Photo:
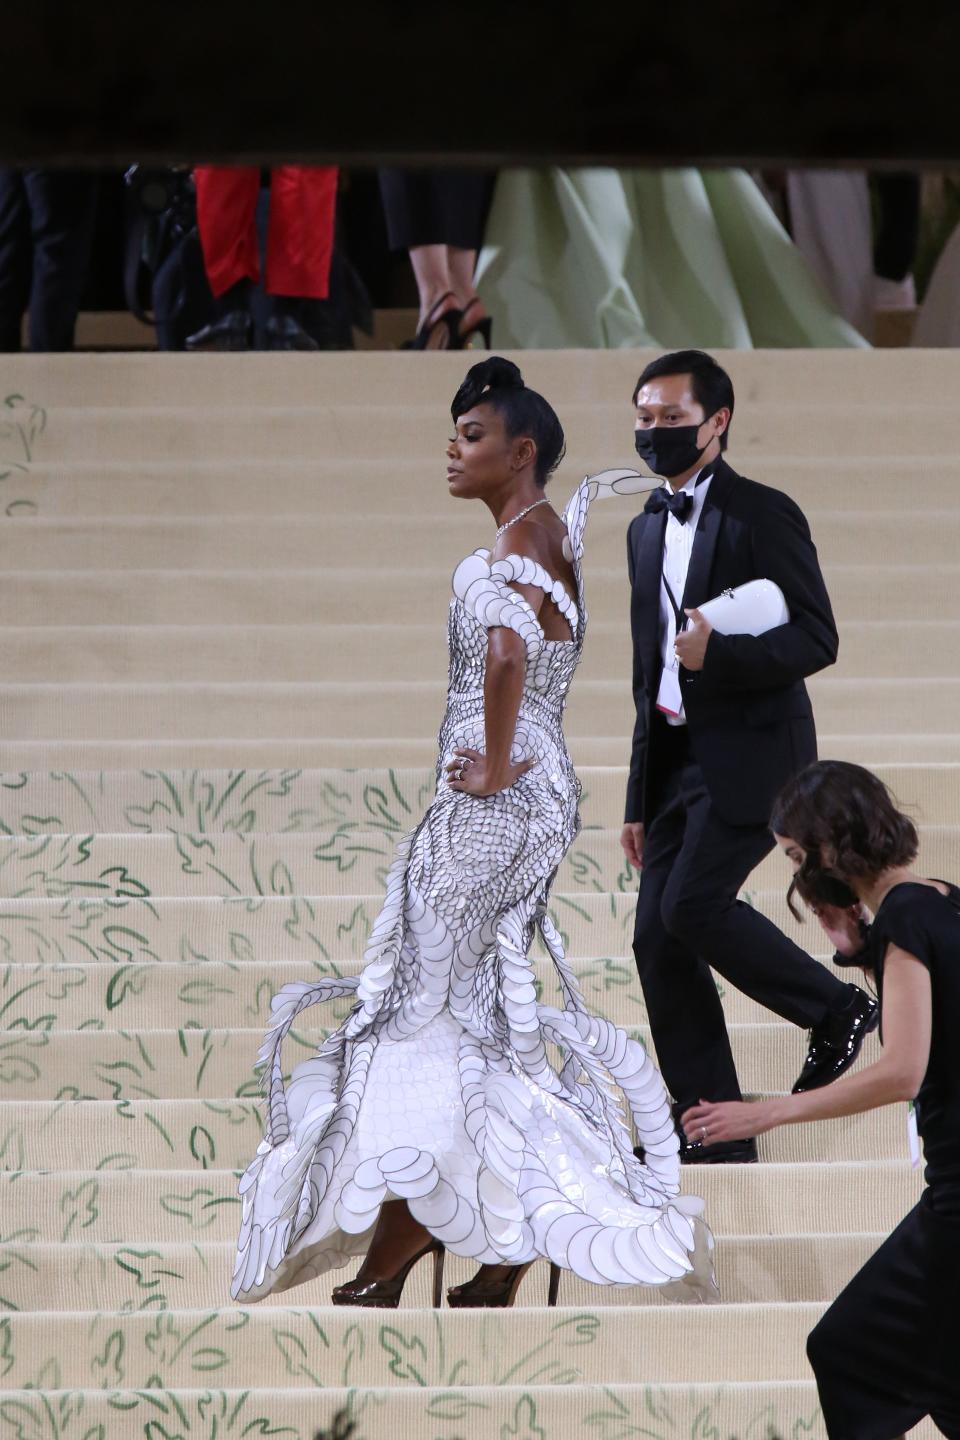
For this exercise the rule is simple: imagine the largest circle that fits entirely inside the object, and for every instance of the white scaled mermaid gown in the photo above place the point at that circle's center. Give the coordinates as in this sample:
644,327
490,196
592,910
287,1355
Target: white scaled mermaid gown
438,1089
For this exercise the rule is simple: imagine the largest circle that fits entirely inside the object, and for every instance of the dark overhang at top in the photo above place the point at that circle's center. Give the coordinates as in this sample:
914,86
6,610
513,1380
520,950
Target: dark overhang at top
760,82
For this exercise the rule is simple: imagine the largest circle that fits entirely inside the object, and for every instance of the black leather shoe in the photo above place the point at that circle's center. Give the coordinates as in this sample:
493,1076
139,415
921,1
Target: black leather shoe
232,332
282,332
835,1044
727,1152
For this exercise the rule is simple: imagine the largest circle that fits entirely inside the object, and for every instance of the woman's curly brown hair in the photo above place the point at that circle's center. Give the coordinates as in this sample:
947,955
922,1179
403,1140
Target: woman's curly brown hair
846,821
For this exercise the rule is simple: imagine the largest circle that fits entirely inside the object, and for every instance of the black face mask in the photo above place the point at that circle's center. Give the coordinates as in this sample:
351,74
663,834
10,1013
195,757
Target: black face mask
669,449
822,888
818,887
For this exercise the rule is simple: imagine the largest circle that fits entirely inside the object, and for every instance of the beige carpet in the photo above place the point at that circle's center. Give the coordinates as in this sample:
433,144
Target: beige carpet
224,592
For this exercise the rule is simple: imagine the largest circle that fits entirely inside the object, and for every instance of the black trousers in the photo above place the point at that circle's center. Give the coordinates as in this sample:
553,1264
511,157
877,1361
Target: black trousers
46,230
689,920
898,199
885,1354
435,207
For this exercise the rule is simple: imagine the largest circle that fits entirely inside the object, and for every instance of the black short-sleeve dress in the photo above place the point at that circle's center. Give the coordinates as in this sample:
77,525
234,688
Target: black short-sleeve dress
886,1352
925,923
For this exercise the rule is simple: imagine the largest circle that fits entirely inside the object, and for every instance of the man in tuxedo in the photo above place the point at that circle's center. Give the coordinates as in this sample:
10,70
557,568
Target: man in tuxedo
722,722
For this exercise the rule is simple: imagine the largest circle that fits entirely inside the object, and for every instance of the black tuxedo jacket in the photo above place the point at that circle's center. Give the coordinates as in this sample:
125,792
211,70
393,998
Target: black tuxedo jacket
748,711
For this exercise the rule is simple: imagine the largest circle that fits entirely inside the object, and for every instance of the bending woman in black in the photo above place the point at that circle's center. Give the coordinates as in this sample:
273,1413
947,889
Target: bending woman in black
886,1353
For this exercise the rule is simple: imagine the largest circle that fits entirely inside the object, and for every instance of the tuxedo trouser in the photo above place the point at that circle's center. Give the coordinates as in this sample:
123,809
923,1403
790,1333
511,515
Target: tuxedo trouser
885,1353
47,222
689,920
299,234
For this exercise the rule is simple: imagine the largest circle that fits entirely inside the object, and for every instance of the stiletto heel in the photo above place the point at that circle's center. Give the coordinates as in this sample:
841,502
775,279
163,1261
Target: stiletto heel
553,1289
446,327
438,1258
483,327
385,1294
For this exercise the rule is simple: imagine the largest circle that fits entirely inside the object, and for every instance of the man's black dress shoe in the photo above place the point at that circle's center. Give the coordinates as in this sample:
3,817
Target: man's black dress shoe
725,1152
835,1044
728,1152
231,332
283,332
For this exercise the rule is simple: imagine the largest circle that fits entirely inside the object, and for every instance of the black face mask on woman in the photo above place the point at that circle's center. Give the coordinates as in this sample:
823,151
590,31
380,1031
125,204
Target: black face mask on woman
670,449
816,887
821,887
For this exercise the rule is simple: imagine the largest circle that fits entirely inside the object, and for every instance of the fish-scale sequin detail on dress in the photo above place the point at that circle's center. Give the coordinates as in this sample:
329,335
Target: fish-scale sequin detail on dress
438,1088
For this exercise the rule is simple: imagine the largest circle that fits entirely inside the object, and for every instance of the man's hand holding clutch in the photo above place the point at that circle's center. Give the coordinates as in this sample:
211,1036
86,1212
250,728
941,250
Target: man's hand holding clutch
691,644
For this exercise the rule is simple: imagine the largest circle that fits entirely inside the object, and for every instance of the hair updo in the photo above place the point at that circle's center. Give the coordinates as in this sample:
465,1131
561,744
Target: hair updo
498,383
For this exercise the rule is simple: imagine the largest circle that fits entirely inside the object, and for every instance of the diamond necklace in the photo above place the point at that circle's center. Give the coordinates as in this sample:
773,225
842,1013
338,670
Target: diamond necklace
507,523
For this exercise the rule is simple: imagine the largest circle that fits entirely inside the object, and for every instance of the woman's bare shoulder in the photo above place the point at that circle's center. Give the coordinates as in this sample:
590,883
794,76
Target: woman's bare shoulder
538,541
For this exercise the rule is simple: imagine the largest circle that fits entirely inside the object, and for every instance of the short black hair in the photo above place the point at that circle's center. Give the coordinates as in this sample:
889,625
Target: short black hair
498,383
711,385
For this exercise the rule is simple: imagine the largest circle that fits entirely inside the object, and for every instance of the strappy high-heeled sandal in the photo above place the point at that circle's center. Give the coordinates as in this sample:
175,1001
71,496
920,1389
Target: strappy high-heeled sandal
483,327
487,1292
445,327
385,1294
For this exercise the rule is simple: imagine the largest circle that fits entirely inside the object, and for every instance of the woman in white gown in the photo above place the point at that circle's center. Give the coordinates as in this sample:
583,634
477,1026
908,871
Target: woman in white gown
433,1116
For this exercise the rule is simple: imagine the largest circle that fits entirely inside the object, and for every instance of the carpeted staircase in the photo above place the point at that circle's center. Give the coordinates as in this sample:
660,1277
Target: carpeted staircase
224,591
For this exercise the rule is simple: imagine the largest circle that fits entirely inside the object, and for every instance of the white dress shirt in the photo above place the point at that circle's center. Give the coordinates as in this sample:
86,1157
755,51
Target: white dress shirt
677,549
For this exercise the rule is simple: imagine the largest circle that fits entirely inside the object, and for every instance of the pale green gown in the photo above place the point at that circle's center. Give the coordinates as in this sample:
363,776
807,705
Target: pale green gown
601,258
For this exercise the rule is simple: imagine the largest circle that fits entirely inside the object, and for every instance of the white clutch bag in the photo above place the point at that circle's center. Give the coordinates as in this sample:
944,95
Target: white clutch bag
750,609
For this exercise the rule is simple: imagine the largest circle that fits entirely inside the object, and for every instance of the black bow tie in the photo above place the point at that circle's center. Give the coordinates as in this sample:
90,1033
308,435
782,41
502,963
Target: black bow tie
679,504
